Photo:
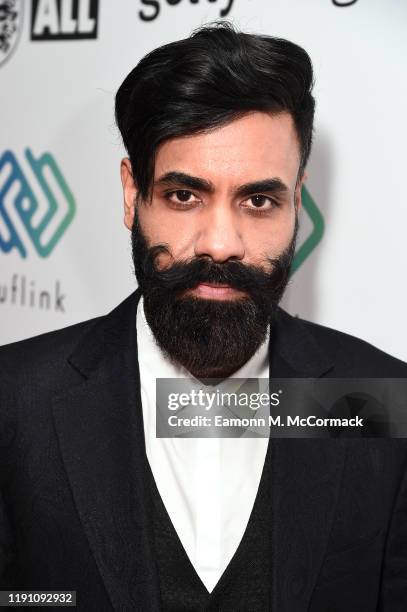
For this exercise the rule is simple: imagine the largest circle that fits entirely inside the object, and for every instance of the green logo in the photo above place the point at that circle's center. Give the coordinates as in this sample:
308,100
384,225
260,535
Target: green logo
305,249
44,218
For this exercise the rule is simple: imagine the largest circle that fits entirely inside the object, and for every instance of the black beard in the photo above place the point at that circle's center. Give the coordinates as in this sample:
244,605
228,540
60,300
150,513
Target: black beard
210,338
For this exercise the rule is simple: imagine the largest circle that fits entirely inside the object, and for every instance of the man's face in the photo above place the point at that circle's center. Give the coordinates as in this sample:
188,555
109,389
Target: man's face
227,202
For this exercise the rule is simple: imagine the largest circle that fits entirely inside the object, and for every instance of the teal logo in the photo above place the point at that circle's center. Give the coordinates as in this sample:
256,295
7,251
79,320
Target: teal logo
40,199
305,249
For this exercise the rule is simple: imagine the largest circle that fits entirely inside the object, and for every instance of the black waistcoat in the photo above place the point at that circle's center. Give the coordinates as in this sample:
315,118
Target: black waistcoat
245,583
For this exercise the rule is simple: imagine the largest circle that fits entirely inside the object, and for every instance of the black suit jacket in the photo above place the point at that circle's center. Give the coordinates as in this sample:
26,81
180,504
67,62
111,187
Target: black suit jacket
73,515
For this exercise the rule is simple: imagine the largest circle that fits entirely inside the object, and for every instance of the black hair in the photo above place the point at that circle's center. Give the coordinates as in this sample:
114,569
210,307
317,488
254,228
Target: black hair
202,82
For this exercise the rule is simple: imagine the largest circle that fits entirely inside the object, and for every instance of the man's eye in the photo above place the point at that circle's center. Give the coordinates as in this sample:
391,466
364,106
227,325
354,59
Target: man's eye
261,202
180,196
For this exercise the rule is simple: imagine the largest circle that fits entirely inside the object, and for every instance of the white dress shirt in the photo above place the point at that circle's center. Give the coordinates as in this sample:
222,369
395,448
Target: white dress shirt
208,485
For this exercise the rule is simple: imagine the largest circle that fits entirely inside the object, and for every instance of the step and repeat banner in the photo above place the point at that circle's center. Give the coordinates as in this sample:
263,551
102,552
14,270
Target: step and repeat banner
65,253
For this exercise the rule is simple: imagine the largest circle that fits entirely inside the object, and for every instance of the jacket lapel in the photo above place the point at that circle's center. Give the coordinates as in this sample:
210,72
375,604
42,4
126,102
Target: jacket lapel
305,477
99,425
100,431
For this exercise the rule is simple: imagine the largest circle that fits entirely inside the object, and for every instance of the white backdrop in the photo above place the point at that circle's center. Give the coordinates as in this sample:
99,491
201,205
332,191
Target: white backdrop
57,97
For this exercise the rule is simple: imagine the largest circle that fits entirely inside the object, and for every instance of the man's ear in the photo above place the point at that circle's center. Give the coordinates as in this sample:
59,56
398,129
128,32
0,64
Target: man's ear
130,192
297,196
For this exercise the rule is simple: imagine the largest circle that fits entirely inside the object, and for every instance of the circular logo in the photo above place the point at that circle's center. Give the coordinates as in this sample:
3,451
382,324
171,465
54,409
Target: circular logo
11,18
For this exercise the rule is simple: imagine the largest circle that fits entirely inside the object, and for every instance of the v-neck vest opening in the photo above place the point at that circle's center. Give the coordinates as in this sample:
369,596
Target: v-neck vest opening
246,579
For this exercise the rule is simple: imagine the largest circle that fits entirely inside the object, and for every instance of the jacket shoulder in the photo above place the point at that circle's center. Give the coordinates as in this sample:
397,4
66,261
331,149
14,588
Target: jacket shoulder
41,353
354,355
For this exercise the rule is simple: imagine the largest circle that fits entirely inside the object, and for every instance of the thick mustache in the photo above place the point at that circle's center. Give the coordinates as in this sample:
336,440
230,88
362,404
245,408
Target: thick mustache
188,274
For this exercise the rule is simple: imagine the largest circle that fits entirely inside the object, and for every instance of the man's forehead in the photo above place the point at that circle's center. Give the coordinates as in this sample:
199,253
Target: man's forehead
246,149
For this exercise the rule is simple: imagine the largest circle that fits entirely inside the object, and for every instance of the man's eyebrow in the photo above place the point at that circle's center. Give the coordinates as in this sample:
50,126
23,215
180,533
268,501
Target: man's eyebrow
270,185
186,180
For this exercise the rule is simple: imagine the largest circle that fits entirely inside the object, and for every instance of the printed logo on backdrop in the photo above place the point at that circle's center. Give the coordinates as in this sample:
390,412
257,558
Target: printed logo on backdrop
37,200
36,208
314,218
11,20
151,8
64,20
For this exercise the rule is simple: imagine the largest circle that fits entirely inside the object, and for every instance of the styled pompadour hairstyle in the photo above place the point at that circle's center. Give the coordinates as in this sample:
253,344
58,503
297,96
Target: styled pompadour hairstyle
205,81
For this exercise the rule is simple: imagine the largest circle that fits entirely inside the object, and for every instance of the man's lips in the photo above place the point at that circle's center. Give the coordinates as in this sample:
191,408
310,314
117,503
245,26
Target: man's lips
215,291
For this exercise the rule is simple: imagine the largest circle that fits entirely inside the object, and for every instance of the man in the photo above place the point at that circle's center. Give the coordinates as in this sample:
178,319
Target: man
218,130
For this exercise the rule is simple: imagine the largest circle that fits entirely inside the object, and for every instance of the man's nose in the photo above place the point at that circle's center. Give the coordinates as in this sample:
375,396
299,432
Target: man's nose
219,236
